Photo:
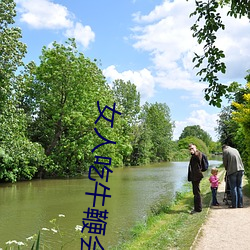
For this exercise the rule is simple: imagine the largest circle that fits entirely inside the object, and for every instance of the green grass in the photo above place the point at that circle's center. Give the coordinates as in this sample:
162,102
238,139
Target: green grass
170,226
246,188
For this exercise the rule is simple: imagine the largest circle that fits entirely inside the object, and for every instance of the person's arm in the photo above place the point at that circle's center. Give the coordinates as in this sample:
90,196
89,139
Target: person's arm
210,179
213,179
224,159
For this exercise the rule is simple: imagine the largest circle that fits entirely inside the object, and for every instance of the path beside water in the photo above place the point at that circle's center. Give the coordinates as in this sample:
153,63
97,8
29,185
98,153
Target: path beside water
225,228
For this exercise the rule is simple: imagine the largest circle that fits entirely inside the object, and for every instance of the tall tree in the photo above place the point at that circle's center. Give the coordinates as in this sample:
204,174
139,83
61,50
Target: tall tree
128,101
227,127
241,115
207,24
12,51
196,131
128,97
157,121
229,130
184,142
19,157
63,93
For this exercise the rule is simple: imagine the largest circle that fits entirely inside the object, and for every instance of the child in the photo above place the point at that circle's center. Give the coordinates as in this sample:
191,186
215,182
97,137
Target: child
214,185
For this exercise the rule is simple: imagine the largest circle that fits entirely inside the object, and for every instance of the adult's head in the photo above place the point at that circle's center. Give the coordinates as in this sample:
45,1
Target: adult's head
192,148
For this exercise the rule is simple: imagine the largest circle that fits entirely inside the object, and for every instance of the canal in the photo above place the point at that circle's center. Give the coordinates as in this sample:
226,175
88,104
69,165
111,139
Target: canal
28,207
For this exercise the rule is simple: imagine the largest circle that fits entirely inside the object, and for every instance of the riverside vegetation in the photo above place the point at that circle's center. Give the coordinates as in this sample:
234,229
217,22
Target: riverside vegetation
47,237
170,226
47,115
48,112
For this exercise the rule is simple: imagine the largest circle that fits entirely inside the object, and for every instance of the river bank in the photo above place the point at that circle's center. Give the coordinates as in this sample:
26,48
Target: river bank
136,192
171,227
133,190
226,228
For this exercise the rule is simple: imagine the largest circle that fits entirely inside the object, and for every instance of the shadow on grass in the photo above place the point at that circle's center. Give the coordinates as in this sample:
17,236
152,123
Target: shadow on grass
183,203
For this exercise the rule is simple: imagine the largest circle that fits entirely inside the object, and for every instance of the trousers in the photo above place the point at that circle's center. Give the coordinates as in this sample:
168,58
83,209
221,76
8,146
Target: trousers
235,182
197,196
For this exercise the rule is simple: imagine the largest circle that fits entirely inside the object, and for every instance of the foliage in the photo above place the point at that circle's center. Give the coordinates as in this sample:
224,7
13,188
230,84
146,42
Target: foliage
241,115
205,28
227,127
127,99
37,242
201,146
196,131
169,226
157,122
233,125
20,157
141,144
12,50
49,112
62,100
215,148
49,238
181,154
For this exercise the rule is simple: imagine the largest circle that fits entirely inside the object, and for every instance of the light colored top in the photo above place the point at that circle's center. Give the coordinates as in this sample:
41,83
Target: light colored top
232,160
214,181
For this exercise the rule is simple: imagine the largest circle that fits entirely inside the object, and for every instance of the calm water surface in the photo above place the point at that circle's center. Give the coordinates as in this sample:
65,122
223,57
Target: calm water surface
27,207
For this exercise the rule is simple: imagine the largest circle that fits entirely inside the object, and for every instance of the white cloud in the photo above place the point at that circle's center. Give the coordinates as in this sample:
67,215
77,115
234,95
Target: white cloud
168,38
159,12
143,80
234,41
44,14
208,122
165,33
83,34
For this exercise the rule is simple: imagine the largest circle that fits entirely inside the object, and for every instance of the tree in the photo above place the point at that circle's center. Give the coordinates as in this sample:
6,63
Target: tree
157,122
233,123
227,127
196,131
12,50
63,94
128,98
20,158
229,130
141,145
208,23
215,148
242,117
184,142
128,102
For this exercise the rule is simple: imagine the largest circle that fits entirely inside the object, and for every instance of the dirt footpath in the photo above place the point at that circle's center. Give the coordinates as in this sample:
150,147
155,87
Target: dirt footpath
225,228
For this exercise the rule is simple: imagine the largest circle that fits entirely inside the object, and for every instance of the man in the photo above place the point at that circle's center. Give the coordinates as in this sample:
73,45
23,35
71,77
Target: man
235,169
195,175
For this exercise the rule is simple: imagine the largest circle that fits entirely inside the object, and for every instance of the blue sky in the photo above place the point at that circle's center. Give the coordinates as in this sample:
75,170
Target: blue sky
148,42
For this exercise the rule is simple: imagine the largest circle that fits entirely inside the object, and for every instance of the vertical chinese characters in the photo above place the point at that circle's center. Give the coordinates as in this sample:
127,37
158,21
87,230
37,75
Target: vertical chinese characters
95,221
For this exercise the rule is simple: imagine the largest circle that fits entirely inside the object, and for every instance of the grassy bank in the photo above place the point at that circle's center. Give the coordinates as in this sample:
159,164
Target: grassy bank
170,226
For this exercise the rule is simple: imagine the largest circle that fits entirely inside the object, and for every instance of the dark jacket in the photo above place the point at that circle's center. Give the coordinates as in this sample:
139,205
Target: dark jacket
194,168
